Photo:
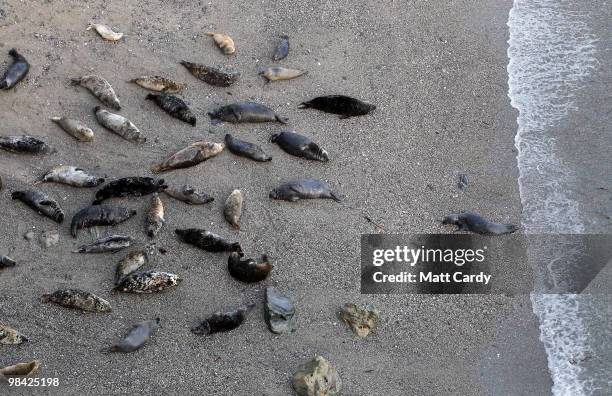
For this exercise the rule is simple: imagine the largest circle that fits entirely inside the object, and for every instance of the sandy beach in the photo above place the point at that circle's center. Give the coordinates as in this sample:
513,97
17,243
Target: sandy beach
437,73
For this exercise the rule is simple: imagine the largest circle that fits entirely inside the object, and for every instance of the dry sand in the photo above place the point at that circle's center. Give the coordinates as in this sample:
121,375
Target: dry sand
436,71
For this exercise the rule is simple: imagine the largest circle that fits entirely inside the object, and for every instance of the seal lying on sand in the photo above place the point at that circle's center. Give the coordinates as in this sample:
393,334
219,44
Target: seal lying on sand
345,106
74,128
112,243
207,240
6,262
159,84
189,195
237,113
248,270
212,75
100,88
246,149
304,189
478,224
223,41
77,299
41,203
222,321
72,176
25,145
174,106
130,186
282,49
189,156
105,32
16,71
119,125
136,337
232,209
300,146
278,73
147,282
155,216
132,262
99,215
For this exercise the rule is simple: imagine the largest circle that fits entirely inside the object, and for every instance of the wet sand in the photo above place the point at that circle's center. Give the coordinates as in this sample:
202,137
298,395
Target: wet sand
436,72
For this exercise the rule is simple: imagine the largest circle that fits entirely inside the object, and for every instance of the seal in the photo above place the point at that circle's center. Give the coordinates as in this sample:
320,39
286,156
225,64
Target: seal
147,282
20,370
223,41
77,299
113,243
207,240
105,32
246,149
191,155
155,216
222,321
25,145
174,106
300,146
41,203
278,73
6,262
304,189
119,124
74,128
159,84
134,186
237,113
136,337
189,195
10,336
232,209
99,215
282,49
16,71
72,176
248,270
132,262
478,224
100,88
345,106
218,77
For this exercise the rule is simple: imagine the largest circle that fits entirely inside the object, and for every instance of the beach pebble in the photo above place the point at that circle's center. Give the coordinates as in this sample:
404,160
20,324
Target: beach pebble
360,320
279,311
317,378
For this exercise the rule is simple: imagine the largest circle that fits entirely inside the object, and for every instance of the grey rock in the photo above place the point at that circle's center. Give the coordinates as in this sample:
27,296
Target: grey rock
279,311
317,378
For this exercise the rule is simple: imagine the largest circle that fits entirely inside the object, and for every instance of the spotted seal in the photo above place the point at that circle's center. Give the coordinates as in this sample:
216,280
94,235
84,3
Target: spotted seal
219,77
232,208
77,299
191,155
25,145
134,186
74,128
100,88
174,106
147,282
159,84
119,124
72,176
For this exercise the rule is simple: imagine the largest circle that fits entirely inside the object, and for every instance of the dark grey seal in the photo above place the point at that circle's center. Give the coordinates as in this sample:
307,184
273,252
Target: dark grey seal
174,106
16,71
222,321
345,106
304,189
99,215
478,224
237,113
246,149
207,240
41,203
282,50
300,146
24,145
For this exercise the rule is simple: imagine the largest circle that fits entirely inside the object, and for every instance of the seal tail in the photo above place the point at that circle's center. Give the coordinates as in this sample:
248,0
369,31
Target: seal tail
45,298
210,33
157,168
338,197
150,96
13,52
76,81
304,105
274,137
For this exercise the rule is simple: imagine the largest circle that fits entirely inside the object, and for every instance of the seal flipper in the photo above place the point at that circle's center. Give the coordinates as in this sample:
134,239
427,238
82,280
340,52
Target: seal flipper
274,137
304,105
282,120
77,81
338,197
